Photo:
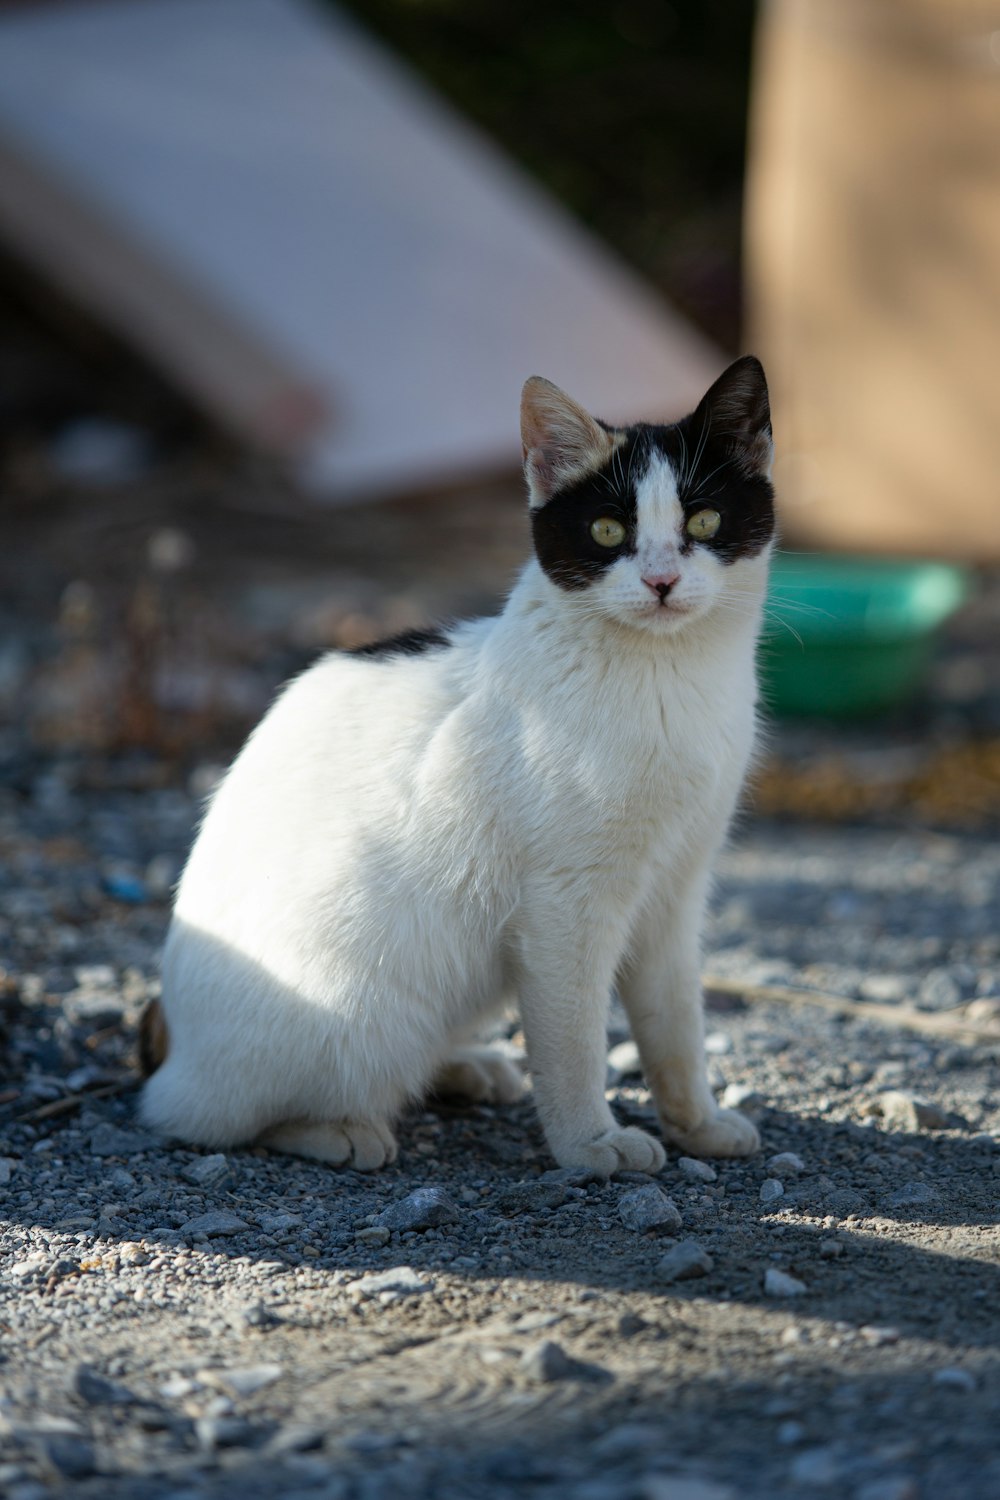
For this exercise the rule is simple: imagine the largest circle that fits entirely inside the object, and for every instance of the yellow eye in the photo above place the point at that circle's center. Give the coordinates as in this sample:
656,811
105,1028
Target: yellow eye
703,524
607,532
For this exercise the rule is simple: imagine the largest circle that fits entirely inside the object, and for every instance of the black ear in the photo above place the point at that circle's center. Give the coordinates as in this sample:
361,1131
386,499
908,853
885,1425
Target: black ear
737,407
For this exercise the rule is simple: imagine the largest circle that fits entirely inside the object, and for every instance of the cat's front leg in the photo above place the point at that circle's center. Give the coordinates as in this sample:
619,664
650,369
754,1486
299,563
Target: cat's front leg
660,987
564,985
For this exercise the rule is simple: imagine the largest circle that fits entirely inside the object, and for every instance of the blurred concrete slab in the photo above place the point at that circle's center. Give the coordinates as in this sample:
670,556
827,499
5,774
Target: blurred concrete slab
316,248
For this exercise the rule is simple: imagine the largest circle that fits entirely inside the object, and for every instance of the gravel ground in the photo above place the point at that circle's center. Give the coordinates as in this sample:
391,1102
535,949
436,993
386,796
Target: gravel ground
177,1323
821,1320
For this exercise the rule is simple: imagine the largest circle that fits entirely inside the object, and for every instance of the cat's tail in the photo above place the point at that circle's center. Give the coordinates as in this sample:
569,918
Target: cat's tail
154,1039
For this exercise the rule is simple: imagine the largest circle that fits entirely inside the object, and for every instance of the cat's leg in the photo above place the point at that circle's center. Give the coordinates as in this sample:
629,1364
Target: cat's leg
565,981
479,1072
365,1145
660,987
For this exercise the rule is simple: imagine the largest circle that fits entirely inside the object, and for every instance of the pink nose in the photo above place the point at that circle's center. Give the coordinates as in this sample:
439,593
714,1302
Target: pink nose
661,584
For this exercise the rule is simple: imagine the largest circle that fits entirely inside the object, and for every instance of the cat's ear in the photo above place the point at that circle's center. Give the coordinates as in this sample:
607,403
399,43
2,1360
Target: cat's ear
561,442
737,407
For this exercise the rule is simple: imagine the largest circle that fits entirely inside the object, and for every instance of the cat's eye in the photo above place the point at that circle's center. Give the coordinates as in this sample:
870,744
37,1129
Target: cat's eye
703,525
607,532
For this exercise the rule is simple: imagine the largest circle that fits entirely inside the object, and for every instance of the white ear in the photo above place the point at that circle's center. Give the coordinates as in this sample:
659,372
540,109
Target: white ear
561,442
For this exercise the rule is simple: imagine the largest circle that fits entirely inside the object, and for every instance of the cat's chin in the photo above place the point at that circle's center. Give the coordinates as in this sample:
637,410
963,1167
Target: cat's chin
660,620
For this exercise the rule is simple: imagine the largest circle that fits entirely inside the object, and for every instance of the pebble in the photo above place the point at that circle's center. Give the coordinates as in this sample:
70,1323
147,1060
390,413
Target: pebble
909,1113
208,1171
741,1096
684,1262
718,1043
624,1061
770,1189
425,1208
785,1164
401,1281
110,1140
224,1432
955,1378
70,1456
372,1235
695,1170
817,1466
682,1487
548,1362
215,1224
95,1390
780,1284
649,1208
912,1195
892,1487
530,1197
248,1379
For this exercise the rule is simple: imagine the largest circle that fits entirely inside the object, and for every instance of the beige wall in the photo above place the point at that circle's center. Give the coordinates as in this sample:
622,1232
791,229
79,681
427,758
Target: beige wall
873,248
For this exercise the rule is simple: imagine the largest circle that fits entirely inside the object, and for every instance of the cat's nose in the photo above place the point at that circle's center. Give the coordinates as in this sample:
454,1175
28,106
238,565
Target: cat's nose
661,584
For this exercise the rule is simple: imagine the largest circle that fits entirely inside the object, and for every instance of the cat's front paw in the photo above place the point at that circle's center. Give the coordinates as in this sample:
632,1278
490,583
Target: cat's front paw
623,1149
726,1133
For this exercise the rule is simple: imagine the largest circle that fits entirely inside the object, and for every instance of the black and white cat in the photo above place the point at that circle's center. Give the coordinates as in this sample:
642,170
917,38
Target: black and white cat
527,806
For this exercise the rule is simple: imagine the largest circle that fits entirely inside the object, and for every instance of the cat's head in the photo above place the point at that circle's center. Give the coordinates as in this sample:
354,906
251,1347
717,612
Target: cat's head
657,526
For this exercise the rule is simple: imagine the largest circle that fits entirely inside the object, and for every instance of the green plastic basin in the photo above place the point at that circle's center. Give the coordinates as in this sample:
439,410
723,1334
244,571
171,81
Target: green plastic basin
848,637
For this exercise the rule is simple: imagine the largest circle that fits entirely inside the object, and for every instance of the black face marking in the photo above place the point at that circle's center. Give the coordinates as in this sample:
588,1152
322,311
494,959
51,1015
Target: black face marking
407,643
716,455
561,528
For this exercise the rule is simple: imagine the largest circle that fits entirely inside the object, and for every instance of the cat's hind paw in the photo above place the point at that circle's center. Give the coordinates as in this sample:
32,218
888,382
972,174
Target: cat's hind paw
726,1133
482,1074
623,1149
365,1145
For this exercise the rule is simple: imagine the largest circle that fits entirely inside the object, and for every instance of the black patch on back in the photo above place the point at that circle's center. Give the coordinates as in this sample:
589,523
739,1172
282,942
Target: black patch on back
713,470
407,643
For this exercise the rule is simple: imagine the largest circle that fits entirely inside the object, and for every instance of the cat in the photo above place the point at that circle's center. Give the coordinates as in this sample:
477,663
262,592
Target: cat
527,805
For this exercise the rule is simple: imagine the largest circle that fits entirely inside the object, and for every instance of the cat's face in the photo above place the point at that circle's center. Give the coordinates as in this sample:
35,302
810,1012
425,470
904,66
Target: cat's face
653,526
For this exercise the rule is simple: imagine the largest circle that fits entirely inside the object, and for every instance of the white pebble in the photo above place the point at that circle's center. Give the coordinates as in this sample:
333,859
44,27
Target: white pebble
780,1284
786,1164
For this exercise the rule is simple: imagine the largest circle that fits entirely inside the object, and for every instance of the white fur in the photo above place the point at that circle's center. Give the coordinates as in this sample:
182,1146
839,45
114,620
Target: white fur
405,843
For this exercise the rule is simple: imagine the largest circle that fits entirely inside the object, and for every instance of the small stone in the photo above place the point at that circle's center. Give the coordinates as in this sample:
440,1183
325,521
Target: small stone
780,1284
649,1208
426,1208
95,1390
785,1164
372,1235
548,1362
7,1165
248,1379
624,1061
912,1195
214,1225
955,1378
530,1197
278,1223
297,1437
741,1096
888,989
402,1281
790,1434
817,1466
878,1335
223,1432
681,1487
907,1112
770,1189
718,1043
72,1457
892,1487
984,1012
108,1140
695,1170
684,1262
208,1171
